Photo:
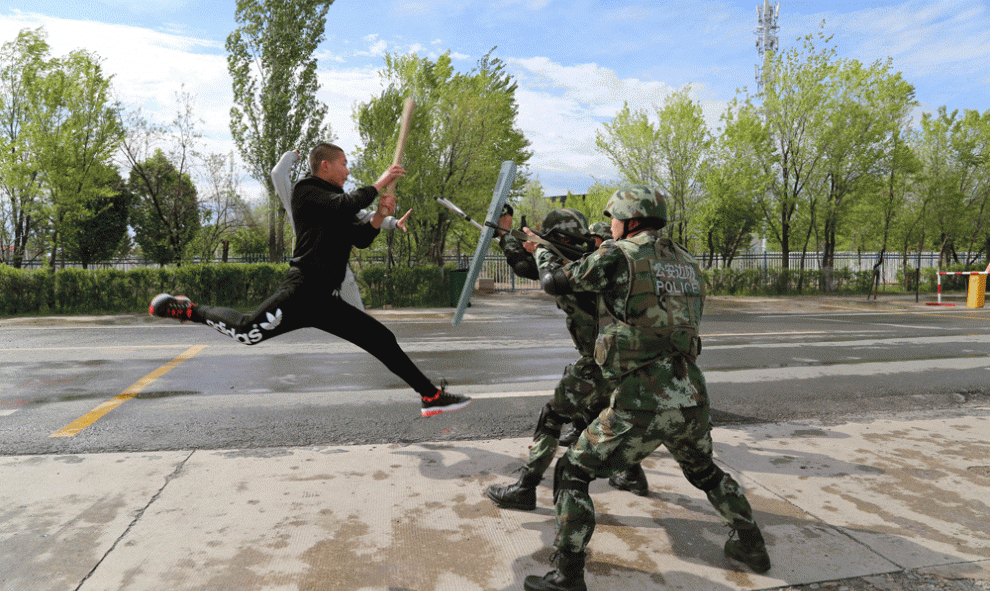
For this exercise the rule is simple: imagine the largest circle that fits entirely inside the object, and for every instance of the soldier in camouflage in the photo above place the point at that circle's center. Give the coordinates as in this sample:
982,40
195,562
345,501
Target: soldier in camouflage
651,294
582,391
600,231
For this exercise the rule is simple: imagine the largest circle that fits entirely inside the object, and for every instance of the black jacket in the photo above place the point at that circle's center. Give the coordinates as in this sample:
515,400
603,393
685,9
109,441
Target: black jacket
325,228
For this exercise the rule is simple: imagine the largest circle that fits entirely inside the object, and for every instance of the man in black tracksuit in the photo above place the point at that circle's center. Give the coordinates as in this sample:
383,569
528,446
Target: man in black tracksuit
310,294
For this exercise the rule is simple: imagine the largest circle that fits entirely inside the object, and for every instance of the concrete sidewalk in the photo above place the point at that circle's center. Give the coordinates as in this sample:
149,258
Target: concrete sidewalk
856,499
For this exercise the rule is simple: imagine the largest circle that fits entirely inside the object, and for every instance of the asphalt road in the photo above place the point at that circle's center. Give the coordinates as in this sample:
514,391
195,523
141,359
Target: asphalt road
129,383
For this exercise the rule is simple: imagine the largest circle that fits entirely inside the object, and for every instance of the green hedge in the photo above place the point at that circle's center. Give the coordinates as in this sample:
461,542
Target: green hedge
244,286
779,282
111,291
422,286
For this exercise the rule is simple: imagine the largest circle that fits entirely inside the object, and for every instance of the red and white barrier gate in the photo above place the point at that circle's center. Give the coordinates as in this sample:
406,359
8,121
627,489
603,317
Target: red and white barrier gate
939,279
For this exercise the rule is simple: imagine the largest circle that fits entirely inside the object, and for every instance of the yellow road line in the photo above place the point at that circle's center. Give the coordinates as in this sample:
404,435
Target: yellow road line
133,390
100,348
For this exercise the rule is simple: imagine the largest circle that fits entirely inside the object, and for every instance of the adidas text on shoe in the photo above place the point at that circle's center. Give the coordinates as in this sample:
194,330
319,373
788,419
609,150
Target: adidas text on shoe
168,306
443,401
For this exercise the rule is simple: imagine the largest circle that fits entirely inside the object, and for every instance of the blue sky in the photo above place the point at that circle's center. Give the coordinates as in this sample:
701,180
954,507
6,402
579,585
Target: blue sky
576,61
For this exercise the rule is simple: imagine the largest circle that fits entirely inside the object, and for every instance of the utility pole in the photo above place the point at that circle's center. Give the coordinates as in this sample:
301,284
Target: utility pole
766,35
766,40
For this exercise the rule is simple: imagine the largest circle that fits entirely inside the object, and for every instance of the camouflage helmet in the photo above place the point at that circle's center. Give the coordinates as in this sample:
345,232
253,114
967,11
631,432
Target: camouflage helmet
566,222
636,201
601,230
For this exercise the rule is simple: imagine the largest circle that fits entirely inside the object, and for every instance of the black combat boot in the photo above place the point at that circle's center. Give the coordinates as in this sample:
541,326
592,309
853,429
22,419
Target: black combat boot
568,576
520,496
749,549
633,480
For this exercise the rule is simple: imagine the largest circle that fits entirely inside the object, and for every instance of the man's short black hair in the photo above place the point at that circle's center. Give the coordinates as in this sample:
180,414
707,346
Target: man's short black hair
322,151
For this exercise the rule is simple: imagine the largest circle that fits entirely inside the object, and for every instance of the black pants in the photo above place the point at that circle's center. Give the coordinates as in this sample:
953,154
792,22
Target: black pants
301,303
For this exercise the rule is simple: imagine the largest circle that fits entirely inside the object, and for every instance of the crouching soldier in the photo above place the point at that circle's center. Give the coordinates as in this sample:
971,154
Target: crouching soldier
650,295
582,391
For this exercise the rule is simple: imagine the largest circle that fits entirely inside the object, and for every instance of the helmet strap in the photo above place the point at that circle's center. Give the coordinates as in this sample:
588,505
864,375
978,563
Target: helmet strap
629,228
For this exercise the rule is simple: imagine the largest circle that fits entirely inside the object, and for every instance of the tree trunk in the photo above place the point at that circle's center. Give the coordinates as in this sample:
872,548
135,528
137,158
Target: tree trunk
51,261
731,254
280,237
711,250
785,244
271,231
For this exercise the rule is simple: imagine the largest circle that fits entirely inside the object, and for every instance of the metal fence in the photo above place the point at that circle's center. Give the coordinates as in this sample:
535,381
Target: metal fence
497,269
854,261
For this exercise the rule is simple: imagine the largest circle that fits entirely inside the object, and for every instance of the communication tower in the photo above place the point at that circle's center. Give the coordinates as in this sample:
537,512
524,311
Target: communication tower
766,34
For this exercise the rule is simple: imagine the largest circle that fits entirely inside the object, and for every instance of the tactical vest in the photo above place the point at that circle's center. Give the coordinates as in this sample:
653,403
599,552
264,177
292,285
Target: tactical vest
658,314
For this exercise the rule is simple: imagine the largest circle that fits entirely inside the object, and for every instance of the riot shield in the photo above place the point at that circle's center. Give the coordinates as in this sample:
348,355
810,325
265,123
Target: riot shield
505,178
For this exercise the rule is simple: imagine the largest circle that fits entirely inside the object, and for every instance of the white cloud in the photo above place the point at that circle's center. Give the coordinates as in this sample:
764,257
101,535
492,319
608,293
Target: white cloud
148,67
526,4
376,46
143,6
562,107
340,90
924,38
404,9
600,88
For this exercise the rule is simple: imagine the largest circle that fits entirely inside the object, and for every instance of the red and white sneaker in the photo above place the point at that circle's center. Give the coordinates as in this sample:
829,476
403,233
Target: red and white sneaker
443,401
168,306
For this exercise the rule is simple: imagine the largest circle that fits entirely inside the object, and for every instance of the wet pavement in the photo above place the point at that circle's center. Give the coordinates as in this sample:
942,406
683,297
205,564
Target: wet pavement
889,501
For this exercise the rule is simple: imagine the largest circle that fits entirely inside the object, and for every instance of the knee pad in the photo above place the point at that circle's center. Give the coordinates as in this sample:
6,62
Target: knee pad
567,476
549,423
707,479
554,281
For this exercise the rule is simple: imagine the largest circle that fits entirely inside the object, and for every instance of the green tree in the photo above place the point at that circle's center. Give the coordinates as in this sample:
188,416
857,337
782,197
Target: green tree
75,131
22,62
463,128
668,154
271,60
941,204
593,203
102,226
166,198
532,205
684,142
887,215
630,140
251,236
166,214
796,86
221,203
869,108
60,129
971,144
730,214
952,191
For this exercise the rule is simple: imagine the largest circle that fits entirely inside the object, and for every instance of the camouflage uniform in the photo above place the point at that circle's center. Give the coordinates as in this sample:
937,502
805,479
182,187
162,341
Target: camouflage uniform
601,230
651,297
582,391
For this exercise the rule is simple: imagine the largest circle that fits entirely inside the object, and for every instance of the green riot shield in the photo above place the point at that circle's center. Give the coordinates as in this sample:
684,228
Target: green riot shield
505,178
